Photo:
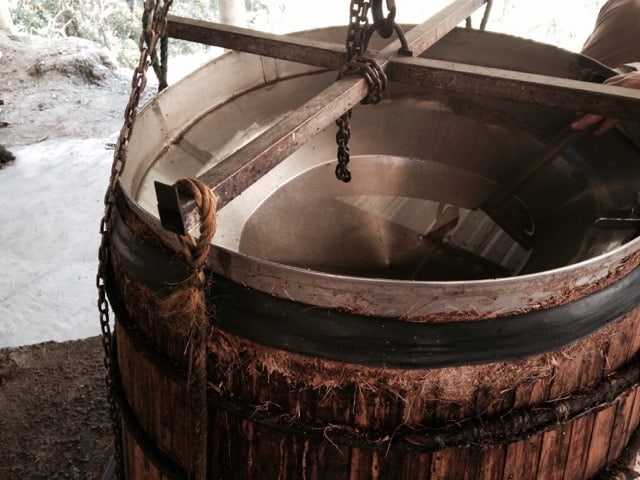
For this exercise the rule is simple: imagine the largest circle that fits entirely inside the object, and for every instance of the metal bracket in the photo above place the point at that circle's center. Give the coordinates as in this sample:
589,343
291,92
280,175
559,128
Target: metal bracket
175,208
618,223
621,219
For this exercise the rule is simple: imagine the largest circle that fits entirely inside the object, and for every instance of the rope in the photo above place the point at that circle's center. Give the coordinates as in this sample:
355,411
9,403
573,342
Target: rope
196,251
186,311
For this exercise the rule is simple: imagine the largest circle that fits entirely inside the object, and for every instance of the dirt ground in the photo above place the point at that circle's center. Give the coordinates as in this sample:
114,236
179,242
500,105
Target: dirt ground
57,88
53,412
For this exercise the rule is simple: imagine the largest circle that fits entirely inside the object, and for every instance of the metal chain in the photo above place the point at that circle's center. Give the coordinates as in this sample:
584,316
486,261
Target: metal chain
156,26
160,65
342,139
485,16
358,26
358,36
373,74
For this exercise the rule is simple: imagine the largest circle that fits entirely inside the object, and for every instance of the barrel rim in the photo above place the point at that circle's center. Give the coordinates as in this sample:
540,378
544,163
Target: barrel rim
378,341
397,298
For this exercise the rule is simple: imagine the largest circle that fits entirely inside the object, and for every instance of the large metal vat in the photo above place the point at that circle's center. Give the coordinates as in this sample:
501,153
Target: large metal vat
344,344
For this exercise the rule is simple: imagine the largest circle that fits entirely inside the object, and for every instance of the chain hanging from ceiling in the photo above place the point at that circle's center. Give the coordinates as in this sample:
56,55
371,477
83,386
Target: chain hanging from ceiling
156,13
359,34
160,65
485,17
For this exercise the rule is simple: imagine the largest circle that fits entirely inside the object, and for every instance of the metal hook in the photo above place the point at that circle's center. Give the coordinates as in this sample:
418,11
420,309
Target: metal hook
385,26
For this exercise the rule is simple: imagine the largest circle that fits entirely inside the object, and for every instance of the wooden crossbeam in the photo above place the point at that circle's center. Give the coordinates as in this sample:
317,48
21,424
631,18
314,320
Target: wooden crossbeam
283,47
236,173
454,77
240,170
529,88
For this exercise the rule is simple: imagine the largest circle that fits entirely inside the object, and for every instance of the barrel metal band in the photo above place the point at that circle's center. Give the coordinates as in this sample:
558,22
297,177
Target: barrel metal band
383,341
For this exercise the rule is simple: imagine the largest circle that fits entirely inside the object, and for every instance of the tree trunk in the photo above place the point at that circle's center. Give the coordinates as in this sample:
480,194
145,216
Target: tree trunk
5,16
232,12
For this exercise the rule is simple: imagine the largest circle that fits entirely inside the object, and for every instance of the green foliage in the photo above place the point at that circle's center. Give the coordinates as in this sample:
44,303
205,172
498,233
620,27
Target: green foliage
108,22
115,25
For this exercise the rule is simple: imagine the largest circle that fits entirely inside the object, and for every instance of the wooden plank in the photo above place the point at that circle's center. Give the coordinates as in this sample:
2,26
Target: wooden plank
332,461
236,173
522,459
621,335
312,52
474,464
532,392
572,95
284,47
629,460
581,430
600,441
634,343
593,364
151,392
554,451
493,462
391,465
621,427
502,404
635,416
367,464
417,466
449,464
565,379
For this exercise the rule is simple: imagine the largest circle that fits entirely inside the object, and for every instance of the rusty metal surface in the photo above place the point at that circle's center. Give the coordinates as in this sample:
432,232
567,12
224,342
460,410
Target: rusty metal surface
181,135
522,87
314,52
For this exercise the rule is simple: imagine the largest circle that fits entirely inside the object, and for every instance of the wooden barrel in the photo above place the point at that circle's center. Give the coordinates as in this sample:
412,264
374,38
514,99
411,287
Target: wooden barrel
319,376
276,414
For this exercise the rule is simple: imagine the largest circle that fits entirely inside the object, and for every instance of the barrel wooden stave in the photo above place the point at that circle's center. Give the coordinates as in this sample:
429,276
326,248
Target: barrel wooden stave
365,398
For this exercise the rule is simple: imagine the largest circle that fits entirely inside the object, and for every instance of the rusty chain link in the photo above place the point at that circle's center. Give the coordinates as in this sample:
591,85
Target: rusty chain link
342,139
377,83
358,36
157,13
159,64
372,73
486,14
386,25
358,26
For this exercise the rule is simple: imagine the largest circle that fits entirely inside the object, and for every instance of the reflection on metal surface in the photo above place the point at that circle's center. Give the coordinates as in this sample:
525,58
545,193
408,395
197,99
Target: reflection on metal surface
404,233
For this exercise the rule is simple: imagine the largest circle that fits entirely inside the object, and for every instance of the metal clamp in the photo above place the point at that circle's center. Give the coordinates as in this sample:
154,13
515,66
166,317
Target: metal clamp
174,208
